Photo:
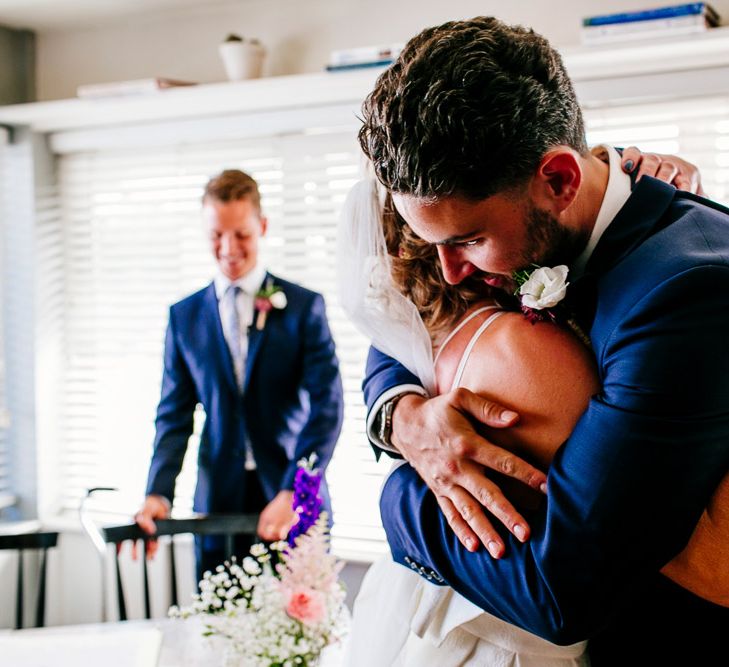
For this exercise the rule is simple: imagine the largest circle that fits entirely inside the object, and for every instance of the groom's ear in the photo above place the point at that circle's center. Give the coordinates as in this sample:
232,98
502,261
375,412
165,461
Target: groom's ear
557,180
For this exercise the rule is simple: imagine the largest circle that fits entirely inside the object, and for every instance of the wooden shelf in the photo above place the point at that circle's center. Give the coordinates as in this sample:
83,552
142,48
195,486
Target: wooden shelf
589,68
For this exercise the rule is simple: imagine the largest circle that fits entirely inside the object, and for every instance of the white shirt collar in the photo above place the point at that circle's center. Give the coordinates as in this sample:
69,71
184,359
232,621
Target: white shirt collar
616,194
250,283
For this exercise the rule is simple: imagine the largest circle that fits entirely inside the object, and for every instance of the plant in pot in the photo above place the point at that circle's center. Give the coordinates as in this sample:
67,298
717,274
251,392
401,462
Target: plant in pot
242,58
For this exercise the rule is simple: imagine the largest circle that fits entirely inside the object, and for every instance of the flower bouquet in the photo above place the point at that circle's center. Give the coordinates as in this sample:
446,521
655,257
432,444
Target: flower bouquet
283,604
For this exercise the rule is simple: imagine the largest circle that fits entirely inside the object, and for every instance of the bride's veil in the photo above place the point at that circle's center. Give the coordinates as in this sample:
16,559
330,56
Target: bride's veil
367,292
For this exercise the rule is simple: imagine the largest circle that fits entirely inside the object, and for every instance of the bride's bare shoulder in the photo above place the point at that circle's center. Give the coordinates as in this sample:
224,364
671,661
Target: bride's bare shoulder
537,346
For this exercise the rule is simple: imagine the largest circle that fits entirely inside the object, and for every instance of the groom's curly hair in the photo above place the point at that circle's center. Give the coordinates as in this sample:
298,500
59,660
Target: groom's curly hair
469,108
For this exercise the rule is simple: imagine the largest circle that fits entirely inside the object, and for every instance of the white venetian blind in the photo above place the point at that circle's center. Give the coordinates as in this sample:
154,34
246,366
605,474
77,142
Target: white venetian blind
5,481
696,129
133,244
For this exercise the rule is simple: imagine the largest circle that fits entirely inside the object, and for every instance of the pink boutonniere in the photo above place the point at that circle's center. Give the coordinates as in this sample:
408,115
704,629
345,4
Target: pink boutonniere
268,298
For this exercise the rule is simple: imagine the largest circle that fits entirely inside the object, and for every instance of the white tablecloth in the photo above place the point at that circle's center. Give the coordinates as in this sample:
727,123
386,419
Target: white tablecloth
156,643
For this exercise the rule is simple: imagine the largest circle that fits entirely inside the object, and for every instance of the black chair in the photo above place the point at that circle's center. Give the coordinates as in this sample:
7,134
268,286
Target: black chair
21,543
225,525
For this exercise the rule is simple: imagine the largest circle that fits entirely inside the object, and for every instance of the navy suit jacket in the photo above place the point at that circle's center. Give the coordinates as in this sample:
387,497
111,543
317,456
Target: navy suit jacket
627,488
291,404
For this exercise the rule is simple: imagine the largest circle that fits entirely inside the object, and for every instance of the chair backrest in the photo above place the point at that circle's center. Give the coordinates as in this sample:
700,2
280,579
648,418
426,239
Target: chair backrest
22,542
226,525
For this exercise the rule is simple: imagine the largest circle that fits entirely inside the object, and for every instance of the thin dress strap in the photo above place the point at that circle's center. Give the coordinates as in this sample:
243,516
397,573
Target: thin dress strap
460,326
471,343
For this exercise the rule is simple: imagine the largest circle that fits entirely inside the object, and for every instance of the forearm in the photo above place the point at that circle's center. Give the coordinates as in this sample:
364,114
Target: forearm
590,544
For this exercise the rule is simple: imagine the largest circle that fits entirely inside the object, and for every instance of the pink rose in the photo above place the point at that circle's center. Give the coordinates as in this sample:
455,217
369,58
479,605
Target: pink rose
306,605
263,304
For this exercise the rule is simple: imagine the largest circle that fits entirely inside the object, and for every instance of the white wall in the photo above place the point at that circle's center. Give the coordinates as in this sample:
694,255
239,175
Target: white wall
299,34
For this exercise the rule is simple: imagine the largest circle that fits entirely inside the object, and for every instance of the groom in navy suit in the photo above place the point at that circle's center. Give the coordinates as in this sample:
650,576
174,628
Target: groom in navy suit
476,131
256,352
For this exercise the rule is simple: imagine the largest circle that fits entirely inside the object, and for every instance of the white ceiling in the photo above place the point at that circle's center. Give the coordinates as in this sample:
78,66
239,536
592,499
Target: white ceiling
43,15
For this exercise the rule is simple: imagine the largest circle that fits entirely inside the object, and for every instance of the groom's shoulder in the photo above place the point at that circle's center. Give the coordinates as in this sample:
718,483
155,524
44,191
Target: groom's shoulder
296,293
702,225
693,233
689,247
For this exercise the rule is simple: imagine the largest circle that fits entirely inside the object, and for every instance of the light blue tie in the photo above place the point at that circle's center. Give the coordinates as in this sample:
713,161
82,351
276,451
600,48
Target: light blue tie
234,333
237,354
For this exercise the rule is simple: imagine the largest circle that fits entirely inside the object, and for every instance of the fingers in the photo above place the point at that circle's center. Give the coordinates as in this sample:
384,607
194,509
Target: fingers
667,171
669,168
145,522
487,412
631,159
507,463
467,518
465,535
272,532
487,494
151,547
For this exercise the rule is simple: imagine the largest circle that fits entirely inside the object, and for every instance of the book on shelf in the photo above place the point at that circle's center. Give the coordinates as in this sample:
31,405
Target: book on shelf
351,66
132,87
655,28
686,9
364,56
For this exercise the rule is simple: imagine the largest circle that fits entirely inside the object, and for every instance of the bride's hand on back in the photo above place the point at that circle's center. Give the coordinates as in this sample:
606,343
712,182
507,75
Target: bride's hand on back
438,439
669,168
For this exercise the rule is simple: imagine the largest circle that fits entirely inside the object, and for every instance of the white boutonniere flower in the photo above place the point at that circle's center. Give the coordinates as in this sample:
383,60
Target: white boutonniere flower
544,287
541,293
268,298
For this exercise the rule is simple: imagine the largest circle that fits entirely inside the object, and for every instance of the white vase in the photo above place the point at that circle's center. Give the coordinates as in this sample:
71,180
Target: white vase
242,60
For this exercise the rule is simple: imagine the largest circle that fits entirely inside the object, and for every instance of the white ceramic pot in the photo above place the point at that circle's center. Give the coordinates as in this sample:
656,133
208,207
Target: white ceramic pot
242,60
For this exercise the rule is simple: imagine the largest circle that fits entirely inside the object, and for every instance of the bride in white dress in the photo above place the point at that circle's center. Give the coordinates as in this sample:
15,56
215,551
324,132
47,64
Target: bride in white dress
400,618
542,371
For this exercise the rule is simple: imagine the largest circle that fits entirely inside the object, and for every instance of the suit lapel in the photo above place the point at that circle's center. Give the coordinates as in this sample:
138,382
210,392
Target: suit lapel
639,218
255,339
220,347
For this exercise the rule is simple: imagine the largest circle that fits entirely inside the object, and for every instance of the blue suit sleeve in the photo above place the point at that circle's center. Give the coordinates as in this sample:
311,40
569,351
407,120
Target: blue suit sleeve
323,384
174,422
383,373
624,492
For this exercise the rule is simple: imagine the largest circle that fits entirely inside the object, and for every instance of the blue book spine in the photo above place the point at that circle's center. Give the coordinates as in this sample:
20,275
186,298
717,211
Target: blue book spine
372,63
687,9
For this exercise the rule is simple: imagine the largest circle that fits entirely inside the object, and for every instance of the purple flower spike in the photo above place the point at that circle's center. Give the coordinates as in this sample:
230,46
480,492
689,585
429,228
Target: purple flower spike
307,501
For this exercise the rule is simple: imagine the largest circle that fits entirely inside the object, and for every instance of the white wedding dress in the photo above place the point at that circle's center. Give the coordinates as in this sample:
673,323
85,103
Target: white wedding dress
402,620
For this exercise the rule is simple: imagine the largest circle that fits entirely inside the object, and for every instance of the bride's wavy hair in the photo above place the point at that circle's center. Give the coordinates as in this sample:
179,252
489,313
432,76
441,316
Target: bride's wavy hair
417,274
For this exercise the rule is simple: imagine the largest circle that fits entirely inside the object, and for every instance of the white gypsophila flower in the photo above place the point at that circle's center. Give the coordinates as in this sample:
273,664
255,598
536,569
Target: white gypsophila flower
545,287
251,566
258,550
278,300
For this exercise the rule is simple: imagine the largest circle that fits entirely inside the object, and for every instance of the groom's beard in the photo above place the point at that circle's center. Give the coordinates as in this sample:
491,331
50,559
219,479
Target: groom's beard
549,243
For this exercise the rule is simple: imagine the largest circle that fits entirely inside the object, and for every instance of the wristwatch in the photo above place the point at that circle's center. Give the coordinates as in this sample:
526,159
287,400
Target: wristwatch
385,420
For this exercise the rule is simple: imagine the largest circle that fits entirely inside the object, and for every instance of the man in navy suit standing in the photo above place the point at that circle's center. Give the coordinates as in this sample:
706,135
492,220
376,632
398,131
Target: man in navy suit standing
256,352
477,132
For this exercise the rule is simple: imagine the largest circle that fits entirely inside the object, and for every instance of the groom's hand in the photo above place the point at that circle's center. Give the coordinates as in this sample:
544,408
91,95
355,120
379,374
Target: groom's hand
437,438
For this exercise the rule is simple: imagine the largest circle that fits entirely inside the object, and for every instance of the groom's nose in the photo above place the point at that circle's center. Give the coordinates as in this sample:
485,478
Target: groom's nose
455,267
